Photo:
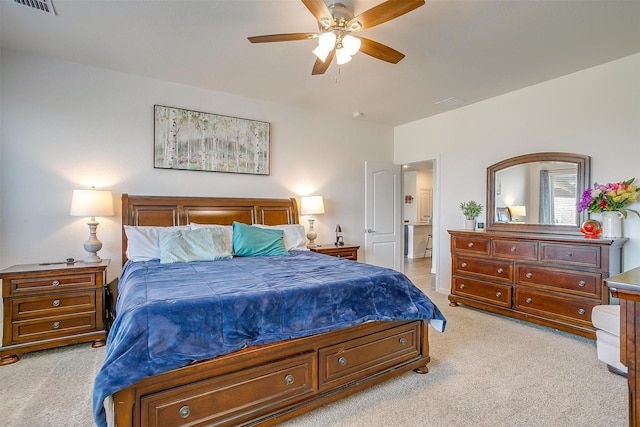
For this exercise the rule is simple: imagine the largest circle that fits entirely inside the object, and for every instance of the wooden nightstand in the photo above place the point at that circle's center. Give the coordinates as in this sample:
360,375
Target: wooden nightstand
51,305
346,251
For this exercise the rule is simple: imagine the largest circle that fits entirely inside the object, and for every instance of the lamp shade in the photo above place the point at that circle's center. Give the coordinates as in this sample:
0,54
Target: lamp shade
311,205
92,203
518,210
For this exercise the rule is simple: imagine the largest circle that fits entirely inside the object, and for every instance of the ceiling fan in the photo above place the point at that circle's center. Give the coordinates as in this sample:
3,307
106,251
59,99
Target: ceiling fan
336,22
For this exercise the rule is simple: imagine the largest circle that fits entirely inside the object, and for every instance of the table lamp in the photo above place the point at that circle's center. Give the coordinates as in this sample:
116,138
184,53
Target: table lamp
311,205
92,203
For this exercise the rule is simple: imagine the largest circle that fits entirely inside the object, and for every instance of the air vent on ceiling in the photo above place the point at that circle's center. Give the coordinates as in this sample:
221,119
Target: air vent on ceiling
450,102
45,6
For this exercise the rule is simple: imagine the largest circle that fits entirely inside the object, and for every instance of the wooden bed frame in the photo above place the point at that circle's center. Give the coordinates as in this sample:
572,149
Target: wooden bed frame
267,384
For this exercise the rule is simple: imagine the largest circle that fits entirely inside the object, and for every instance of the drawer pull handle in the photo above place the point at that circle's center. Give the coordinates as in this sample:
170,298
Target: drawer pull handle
581,311
185,411
528,300
288,379
513,248
56,303
403,341
500,270
55,283
498,294
470,244
56,325
463,265
528,275
342,361
461,285
569,254
581,283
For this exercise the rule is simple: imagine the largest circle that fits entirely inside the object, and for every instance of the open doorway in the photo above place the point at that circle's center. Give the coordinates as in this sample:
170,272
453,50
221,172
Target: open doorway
419,217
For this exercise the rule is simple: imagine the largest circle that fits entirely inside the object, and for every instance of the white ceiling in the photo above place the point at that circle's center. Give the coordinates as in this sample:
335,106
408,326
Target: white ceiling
469,49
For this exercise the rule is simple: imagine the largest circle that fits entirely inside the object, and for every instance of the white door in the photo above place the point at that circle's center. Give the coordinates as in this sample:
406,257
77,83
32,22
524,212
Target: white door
382,241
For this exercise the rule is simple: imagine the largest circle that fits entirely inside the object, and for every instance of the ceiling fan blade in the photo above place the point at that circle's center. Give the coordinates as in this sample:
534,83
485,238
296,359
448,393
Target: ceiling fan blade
380,51
319,9
282,37
384,12
320,67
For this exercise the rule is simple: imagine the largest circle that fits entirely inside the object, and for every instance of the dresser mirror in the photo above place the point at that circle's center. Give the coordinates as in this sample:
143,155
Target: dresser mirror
537,193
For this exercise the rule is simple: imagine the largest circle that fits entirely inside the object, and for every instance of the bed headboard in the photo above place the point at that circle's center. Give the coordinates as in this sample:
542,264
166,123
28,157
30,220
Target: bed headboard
171,210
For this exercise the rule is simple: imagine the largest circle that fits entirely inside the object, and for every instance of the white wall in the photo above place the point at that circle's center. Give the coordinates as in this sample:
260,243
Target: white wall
594,112
67,126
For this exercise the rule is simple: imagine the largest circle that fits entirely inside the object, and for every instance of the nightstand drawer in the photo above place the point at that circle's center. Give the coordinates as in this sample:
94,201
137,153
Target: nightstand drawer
66,281
52,327
346,251
53,305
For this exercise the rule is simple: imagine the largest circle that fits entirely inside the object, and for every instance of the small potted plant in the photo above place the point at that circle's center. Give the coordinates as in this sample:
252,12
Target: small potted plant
470,210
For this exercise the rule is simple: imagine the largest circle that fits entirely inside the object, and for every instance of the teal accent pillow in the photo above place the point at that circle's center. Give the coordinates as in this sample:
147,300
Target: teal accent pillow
254,241
204,244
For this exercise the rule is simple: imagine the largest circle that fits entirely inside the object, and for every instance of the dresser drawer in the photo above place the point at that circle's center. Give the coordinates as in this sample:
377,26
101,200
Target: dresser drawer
52,305
53,327
482,291
340,364
554,306
39,284
264,388
526,251
571,254
580,283
475,244
484,268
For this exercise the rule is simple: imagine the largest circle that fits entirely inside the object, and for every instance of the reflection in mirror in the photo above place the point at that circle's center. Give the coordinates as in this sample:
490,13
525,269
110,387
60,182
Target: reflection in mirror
537,192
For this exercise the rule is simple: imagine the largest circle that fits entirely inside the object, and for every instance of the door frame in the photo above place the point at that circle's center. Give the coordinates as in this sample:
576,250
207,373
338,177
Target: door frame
435,218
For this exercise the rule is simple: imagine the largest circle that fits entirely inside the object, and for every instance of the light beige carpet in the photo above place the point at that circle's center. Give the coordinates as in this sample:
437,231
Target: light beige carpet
486,370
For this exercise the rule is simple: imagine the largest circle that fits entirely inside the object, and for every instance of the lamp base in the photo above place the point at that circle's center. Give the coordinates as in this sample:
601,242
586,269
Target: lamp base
311,235
92,259
93,245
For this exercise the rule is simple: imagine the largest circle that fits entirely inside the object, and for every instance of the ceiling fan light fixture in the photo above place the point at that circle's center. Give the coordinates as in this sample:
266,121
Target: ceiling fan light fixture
321,53
342,56
327,40
351,44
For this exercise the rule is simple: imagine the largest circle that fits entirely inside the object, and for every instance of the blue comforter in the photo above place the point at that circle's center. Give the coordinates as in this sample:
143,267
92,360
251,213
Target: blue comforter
169,315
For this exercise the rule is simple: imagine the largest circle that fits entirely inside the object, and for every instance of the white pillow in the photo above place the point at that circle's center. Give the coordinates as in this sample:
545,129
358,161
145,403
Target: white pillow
143,242
294,235
228,233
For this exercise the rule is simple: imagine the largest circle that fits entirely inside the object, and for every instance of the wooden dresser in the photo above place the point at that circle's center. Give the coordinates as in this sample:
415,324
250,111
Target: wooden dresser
626,286
50,305
551,280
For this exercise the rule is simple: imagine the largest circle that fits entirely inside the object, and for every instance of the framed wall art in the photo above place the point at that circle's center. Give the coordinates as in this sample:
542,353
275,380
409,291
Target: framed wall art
193,140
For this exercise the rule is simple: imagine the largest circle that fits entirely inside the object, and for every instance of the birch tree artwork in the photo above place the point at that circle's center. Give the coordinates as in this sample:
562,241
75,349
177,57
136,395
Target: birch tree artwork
192,140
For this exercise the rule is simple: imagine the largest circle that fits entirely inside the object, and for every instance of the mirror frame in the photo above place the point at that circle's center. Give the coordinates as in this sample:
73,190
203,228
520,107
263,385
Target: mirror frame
584,164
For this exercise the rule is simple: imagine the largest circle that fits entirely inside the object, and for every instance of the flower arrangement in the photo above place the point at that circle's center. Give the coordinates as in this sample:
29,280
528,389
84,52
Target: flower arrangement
611,197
